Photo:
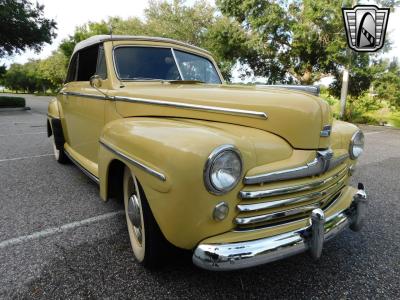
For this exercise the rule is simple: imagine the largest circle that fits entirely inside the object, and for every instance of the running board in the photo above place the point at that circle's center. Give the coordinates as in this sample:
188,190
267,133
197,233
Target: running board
86,172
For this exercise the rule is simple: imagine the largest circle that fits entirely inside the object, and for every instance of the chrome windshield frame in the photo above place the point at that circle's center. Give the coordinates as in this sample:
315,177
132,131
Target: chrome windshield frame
174,57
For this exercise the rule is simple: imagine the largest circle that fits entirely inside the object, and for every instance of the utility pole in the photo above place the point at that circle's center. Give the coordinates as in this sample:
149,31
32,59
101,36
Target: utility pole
345,78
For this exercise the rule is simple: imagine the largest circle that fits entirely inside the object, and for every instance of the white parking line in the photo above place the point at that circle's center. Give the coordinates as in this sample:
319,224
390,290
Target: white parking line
56,230
28,133
372,132
25,157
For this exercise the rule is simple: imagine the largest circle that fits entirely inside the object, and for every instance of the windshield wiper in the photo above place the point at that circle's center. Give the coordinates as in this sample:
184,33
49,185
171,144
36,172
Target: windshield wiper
185,81
144,78
165,80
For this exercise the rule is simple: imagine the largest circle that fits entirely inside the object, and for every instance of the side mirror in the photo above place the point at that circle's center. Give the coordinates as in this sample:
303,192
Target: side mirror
95,81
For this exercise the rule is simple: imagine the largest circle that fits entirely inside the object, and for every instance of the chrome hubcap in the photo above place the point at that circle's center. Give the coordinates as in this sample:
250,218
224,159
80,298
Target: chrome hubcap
134,214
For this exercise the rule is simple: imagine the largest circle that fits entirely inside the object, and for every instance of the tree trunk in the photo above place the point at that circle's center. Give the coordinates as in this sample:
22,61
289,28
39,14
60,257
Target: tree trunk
306,78
343,93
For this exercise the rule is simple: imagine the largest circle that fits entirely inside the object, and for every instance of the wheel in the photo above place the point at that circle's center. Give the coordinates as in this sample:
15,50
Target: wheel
59,155
147,241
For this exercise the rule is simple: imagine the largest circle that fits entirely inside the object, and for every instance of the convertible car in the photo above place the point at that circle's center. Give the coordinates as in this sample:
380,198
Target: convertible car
239,175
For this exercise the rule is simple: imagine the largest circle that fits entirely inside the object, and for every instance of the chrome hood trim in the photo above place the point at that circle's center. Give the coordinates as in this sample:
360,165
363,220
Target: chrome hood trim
321,164
206,108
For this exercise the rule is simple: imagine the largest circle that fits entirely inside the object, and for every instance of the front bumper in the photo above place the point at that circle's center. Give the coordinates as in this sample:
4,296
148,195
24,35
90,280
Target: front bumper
232,256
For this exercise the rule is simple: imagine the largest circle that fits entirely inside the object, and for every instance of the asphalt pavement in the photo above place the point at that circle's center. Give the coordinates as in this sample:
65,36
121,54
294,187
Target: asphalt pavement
59,240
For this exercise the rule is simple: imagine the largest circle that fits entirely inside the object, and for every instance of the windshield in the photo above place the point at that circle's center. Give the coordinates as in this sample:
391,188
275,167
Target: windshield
194,67
151,63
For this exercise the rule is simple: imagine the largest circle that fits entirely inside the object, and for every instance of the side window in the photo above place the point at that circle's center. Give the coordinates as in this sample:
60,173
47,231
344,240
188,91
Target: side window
87,63
71,75
101,68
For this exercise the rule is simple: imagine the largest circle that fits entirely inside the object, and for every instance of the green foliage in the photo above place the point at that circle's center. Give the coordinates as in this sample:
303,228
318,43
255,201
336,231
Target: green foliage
6,102
23,26
81,33
285,41
196,24
53,69
226,39
387,84
289,40
363,70
3,71
179,21
30,77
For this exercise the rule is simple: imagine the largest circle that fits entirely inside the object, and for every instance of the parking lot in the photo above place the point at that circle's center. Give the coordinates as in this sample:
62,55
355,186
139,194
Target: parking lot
59,240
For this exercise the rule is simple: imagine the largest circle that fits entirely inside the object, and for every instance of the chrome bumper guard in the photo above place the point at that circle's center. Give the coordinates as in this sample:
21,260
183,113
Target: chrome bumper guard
233,256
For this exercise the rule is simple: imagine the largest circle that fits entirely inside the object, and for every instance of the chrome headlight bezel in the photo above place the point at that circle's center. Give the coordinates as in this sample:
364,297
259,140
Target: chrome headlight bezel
358,135
216,154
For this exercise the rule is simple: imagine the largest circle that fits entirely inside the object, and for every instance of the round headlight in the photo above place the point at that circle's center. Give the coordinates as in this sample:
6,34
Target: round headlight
223,170
356,145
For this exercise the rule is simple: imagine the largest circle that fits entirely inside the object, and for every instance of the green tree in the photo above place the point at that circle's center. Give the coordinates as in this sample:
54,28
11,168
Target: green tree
387,84
81,33
3,71
361,74
53,69
226,40
14,79
26,78
289,40
22,26
179,21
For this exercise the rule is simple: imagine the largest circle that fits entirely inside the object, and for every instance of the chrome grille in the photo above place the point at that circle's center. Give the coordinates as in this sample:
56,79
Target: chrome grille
269,204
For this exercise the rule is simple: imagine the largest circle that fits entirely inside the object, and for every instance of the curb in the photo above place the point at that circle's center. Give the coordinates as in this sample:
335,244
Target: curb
5,109
377,126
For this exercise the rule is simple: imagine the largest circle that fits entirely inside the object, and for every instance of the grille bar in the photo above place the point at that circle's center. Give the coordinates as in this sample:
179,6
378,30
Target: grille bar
316,167
291,189
274,215
330,191
254,220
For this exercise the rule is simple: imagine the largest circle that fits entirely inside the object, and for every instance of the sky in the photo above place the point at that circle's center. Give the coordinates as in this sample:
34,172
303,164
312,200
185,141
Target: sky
71,13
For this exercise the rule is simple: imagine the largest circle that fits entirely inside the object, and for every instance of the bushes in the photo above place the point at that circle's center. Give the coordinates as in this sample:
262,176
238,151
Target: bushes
11,102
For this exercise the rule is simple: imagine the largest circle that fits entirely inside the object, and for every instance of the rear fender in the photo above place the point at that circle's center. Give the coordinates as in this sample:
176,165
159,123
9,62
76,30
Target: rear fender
54,126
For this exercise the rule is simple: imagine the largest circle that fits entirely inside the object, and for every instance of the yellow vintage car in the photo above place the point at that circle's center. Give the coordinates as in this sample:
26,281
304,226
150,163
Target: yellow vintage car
240,176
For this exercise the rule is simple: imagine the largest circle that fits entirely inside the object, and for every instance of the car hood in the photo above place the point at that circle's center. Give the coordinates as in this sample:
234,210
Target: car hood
295,116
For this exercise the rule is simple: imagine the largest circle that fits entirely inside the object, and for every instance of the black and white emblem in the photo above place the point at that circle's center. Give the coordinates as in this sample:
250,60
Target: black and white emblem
365,27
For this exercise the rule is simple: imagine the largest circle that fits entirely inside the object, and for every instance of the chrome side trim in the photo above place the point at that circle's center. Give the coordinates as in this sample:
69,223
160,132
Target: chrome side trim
291,189
82,168
134,161
91,96
326,193
321,164
205,108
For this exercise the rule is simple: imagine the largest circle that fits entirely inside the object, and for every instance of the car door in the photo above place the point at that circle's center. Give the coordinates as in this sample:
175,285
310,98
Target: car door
83,106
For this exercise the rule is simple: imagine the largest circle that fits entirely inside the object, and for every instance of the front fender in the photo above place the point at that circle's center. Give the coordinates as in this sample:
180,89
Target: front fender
178,149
